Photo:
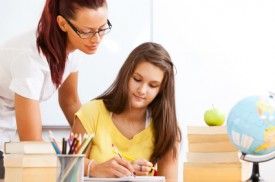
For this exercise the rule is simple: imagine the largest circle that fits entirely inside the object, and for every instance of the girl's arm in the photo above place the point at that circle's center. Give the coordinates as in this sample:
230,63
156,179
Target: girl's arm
114,167
168,166
68,97
28,118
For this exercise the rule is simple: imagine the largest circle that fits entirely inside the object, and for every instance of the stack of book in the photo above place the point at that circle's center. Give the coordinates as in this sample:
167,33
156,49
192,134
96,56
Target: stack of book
30,162
211,157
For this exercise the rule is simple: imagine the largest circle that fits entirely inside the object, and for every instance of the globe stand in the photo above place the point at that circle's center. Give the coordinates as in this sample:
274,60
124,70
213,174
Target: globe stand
255,176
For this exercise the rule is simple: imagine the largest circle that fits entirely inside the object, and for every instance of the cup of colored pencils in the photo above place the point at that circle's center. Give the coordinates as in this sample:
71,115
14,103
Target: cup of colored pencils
70,167
71,155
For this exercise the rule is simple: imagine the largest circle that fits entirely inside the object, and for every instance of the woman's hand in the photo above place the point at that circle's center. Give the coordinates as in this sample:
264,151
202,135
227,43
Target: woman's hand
142,167
113,168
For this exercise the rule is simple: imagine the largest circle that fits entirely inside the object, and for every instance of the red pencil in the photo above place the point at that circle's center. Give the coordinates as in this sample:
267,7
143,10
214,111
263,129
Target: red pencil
73,144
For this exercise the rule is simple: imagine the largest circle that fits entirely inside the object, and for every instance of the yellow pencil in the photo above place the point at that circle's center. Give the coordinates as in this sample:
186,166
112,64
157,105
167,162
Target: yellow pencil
129,158
118,153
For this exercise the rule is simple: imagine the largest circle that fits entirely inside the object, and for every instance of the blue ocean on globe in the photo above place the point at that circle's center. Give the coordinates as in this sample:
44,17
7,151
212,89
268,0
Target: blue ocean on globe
251,125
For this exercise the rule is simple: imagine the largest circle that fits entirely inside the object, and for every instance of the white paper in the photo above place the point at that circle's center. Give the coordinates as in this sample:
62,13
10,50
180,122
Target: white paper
130,178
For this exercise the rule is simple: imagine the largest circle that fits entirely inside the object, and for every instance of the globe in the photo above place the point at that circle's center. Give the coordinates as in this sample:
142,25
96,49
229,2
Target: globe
251,125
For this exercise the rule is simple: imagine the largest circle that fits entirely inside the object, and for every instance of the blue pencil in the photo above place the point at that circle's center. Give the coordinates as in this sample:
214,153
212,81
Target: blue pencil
54,146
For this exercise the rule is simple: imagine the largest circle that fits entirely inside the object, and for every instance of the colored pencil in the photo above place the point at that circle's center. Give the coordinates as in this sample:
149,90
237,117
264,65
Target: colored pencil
78,145
118,153
64,146
73,144
80,151
85,144
54,146
53,139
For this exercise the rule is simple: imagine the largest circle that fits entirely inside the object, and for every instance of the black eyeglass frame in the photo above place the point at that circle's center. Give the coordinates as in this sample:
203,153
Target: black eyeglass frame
80,33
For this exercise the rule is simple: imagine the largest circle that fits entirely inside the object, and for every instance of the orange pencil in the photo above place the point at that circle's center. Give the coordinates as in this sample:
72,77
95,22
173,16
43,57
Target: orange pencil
81,143
78,143
85,144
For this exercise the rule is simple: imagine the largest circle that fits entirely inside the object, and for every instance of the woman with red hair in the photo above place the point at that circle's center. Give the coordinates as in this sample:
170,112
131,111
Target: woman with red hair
36,64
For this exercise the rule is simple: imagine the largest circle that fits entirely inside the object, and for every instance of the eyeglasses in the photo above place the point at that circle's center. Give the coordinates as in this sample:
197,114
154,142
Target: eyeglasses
88,35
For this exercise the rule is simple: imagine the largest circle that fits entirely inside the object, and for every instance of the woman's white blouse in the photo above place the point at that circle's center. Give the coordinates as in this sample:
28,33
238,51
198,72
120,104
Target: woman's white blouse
25,71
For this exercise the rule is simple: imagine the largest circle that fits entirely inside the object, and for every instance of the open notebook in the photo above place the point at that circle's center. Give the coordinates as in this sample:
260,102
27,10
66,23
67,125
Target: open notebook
130,178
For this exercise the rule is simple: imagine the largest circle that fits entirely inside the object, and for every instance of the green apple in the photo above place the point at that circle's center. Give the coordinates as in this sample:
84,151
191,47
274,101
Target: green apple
214,117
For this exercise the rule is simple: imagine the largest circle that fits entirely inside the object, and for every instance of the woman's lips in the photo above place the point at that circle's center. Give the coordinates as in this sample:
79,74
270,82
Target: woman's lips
92,48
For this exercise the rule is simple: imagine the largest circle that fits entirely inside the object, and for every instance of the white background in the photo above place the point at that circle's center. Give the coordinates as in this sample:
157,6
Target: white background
223,50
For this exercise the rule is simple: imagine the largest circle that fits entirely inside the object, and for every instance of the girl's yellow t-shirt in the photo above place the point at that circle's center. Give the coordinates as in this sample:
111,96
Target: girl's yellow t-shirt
96,119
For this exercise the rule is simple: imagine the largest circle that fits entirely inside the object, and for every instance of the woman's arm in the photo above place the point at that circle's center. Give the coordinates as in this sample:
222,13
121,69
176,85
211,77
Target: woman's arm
79,129
28,118
68,97
168,166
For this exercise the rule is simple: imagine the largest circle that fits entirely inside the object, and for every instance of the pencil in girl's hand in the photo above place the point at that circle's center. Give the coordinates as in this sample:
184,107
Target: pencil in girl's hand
129,158
125,156
117,151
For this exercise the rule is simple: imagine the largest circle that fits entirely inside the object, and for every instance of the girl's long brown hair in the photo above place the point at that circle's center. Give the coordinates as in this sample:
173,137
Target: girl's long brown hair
51,40
163,111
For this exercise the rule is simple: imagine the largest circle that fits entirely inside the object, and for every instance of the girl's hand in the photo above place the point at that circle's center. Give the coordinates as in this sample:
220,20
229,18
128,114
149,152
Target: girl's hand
142,167
113,168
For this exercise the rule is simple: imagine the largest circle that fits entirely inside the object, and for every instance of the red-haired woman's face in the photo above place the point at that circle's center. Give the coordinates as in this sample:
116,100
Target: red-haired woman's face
87,22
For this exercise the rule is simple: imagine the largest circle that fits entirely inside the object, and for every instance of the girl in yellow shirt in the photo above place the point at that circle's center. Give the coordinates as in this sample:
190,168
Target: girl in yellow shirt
136,114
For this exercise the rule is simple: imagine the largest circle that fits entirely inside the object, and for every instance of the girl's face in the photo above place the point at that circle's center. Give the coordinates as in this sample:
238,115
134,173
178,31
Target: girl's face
144,85
85,24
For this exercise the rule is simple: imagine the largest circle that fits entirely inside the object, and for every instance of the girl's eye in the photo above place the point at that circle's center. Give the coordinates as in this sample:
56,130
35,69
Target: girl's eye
153,86
137,80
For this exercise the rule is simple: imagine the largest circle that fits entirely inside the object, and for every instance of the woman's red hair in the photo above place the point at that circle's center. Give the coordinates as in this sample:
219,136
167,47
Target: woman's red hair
51,40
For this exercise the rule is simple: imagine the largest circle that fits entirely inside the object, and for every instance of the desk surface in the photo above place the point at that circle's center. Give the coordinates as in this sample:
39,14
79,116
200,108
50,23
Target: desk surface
128,179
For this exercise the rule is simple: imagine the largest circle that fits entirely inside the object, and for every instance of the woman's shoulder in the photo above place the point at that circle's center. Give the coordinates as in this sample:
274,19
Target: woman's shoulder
22,50
24,40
